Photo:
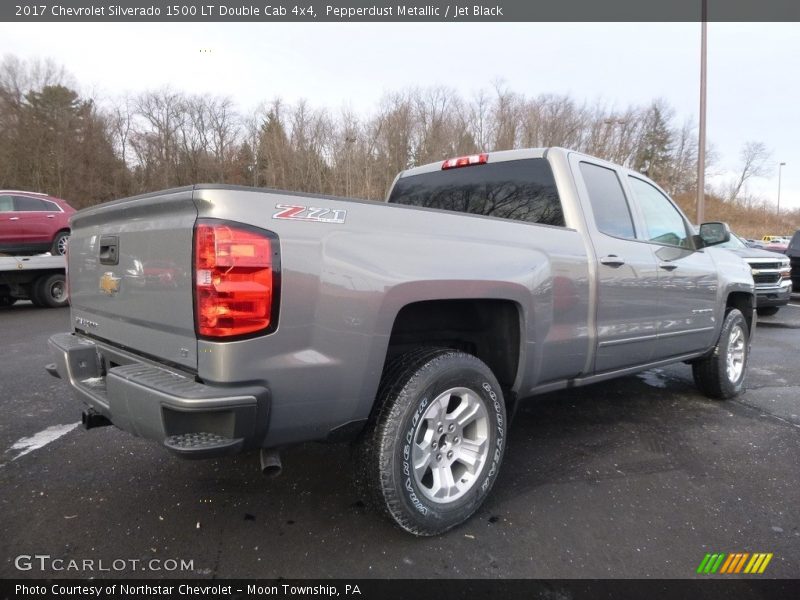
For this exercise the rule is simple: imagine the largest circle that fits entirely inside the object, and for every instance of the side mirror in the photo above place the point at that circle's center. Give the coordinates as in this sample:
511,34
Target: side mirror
714,233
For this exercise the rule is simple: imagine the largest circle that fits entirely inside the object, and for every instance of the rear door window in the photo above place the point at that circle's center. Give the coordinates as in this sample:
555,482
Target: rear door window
612,215
521,190
25,204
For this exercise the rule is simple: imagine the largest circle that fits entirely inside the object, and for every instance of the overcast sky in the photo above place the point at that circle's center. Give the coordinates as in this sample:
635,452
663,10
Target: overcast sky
753,84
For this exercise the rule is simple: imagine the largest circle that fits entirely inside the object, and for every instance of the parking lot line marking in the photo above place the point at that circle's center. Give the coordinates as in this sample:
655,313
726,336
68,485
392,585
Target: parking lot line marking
795,305
41,439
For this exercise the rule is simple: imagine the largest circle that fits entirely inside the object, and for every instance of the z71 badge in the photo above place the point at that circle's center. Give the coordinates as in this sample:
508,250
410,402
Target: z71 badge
309,213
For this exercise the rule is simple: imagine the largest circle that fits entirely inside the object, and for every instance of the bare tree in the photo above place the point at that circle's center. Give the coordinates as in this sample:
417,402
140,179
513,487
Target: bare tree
479,117
56,139
121,123
505,118
248,153
156,144
681,177
225,128
433,111
754,157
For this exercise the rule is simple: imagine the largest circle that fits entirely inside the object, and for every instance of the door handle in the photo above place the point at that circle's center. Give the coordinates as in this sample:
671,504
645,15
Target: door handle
612,260
668,266
51,216
13,219
109,246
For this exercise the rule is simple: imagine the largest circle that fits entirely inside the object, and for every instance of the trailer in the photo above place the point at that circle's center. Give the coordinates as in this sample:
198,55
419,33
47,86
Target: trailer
40,279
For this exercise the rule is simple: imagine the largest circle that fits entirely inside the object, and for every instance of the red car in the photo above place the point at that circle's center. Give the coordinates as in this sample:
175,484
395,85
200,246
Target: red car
777,245
31,223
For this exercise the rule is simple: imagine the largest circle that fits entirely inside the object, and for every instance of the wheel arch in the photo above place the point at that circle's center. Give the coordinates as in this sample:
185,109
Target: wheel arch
491,329
745,302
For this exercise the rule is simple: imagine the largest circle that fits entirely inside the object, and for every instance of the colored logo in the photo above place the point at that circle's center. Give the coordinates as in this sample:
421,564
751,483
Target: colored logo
109,284
735,563
305,213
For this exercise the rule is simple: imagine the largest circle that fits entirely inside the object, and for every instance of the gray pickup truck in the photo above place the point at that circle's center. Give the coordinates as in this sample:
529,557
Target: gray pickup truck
217,319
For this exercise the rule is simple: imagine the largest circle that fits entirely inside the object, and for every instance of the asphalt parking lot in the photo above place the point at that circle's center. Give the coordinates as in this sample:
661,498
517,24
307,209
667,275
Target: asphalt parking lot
638,477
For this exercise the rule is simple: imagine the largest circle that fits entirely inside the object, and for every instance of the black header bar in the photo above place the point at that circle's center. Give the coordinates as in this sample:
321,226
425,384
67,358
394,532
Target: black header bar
451,11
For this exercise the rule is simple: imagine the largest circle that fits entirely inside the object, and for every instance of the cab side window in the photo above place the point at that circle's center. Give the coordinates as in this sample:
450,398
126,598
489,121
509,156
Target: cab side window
612,215
6,204
664,223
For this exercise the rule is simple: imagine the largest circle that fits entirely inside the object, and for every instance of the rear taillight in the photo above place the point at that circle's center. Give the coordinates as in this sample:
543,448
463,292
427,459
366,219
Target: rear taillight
236,270
466,161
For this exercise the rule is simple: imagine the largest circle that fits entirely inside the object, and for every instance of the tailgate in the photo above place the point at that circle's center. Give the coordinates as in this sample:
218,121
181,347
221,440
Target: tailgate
130,275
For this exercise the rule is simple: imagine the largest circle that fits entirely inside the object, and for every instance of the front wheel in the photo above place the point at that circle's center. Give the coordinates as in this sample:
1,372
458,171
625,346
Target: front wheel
721,374
432,453
767,311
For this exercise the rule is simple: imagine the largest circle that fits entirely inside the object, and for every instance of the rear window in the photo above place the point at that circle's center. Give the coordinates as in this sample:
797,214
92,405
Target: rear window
522,190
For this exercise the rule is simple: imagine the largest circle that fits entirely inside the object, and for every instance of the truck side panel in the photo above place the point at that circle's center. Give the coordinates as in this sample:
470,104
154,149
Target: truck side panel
343,284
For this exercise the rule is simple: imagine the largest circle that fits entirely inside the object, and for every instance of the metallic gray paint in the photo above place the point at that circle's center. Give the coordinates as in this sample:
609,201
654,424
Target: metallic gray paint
343,284
152,315
137,395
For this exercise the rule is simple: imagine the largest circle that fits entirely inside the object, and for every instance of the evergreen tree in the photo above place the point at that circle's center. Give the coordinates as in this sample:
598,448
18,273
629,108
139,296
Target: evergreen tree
654,154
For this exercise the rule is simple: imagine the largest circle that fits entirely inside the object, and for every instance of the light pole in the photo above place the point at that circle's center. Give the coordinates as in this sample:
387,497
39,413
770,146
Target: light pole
701,142
778,210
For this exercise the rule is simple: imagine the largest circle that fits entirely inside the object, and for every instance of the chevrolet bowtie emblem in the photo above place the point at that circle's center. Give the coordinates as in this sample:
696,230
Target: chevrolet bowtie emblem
109,284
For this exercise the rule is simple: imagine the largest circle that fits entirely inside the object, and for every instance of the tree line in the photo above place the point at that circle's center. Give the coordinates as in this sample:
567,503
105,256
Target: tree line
54,139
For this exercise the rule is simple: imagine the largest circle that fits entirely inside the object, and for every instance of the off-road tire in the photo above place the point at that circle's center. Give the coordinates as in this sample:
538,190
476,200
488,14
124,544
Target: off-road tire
409,388
711,373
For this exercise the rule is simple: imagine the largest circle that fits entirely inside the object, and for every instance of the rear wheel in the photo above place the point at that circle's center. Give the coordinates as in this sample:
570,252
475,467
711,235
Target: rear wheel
432,453
60,243
721,374
50,291
767,311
